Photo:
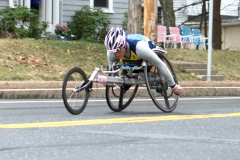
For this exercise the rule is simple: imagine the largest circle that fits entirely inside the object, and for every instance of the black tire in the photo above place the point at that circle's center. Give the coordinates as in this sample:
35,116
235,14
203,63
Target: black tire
166,101
112,97
75,101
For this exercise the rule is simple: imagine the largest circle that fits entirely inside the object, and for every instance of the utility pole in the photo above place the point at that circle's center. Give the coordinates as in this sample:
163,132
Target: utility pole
150,19
210,34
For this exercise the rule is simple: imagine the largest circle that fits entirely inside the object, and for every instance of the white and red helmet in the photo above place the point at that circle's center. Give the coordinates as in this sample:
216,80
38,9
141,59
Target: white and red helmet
115,40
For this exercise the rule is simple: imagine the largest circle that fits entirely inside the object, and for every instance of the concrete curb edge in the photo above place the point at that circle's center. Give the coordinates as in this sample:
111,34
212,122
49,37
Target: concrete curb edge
56,93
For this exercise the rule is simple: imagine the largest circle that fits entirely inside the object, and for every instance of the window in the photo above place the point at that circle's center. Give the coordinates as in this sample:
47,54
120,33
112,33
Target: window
35,4
106,5
101,3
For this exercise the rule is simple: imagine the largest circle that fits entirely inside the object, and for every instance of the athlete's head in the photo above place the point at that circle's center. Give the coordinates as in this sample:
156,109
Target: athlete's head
115,40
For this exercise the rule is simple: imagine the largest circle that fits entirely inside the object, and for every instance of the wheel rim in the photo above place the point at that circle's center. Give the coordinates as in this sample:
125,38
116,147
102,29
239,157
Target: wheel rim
75,101
166,100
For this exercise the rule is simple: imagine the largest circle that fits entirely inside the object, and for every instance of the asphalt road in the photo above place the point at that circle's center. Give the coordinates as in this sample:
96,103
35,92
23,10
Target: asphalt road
200,128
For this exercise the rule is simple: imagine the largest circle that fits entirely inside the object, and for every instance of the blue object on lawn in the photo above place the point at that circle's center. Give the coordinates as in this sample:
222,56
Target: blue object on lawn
62,38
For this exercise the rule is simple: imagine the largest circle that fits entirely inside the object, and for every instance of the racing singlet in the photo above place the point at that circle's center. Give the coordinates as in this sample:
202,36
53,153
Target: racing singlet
132,40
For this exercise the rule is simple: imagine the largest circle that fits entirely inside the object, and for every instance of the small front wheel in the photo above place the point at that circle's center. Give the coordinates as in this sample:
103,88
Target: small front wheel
75,99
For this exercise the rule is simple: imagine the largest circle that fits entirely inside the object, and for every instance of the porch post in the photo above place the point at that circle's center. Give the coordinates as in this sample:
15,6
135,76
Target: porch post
48,6
42,10
56,12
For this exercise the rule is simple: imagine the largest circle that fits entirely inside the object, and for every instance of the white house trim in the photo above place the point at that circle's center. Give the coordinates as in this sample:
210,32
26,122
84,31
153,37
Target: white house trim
15,3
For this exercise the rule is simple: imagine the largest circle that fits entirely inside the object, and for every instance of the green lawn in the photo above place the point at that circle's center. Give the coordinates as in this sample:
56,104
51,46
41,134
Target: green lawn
50,59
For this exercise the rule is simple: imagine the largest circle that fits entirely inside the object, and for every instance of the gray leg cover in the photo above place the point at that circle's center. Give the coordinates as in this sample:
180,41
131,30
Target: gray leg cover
144,52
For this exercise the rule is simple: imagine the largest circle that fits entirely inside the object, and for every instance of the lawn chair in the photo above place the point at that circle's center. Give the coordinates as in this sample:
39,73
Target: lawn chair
198,39
162,32
186,36
174,37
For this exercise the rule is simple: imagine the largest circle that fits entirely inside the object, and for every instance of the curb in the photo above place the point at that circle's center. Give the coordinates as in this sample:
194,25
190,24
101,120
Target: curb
56,93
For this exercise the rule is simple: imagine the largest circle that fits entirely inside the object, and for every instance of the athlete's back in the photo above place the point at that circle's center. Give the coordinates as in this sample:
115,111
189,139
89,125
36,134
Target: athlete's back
132,39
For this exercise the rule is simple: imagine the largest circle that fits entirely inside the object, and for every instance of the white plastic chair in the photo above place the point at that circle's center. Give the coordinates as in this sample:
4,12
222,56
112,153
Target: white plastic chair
174,37
198,39
161,32
186,36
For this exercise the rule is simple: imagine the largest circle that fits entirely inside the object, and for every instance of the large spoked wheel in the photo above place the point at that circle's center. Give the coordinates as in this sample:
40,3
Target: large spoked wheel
113,97
74,98
161,94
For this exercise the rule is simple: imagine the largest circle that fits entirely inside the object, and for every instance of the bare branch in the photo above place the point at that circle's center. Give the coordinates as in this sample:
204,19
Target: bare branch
200,15
193,4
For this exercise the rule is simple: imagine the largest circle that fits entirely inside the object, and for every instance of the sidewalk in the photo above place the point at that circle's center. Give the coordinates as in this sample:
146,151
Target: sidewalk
52,89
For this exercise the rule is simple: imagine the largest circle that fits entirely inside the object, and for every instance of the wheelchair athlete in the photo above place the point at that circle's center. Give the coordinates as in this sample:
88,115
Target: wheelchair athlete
136,47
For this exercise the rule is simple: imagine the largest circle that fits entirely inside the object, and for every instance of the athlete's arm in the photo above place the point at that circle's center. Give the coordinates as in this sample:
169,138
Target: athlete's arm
111,58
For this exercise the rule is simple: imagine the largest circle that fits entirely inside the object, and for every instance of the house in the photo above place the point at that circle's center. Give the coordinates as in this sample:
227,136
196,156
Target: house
230,15
62,11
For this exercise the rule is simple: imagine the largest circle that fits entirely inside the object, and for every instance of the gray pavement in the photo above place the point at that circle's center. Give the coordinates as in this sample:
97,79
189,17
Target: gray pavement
52,89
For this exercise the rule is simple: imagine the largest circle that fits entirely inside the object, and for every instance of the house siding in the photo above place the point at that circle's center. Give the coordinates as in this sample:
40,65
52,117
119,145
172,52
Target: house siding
119,7
180,16
69,7
230,37
4,3
228,7
193,10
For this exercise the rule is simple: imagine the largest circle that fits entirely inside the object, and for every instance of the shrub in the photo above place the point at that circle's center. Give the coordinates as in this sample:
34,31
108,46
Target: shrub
125,21
90,24
22,22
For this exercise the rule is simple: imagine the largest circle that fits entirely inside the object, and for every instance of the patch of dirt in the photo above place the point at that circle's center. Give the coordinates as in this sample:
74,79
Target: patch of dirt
210,84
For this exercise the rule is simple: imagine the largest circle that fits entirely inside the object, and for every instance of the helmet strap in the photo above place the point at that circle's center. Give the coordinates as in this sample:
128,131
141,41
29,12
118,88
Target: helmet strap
125,46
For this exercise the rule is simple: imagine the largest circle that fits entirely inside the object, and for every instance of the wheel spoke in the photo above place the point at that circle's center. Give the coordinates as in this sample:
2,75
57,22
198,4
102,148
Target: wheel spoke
112,97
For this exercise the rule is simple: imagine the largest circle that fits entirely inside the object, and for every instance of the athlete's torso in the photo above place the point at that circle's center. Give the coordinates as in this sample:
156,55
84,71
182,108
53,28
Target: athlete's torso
132,40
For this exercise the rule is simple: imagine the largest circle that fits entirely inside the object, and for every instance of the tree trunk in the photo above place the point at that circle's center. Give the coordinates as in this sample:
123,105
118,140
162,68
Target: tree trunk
134,17
168,13
217,26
